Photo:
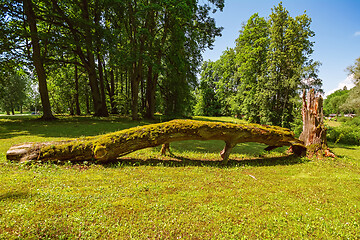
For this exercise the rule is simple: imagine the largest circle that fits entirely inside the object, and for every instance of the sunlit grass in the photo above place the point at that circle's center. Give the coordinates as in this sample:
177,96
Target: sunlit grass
188,195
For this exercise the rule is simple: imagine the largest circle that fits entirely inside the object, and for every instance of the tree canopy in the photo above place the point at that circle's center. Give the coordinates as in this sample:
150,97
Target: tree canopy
352,102
130,57
261,77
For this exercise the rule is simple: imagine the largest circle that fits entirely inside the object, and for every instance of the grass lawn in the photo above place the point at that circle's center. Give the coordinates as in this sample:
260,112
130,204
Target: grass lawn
188,196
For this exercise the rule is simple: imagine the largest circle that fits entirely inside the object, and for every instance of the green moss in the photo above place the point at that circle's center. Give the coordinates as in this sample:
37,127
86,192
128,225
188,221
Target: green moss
98,145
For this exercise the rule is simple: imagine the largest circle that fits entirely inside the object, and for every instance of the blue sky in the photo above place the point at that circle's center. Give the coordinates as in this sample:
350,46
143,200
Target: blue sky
336,24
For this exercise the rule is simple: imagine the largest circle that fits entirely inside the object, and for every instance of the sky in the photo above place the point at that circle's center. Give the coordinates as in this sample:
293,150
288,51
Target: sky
336,24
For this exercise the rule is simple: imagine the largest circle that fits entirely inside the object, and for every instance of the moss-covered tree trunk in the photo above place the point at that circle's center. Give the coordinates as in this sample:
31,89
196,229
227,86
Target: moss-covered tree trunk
113,145
314,130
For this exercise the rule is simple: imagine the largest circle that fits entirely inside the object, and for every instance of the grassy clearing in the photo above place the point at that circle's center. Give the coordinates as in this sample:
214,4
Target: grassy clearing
188,196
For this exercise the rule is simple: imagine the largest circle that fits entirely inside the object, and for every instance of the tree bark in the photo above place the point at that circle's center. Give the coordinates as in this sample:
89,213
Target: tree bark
99,109
102,86
135,81
111,146
150,93
314,131
111,91
37,59
77,103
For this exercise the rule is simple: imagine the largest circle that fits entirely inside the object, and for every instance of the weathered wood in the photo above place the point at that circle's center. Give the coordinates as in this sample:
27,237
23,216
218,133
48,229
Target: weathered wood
113,145
314,130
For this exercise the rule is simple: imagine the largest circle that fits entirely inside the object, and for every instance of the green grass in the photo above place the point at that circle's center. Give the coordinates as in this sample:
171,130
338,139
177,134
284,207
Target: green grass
185,196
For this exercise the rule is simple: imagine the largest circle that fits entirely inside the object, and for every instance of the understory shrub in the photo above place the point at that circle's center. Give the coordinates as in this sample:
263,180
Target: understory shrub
347,133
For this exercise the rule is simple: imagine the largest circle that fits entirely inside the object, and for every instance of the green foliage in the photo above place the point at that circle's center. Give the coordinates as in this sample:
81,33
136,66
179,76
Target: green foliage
135,54
354,71
207,102
251,49
347,133
269,65
333,102
62,91
13,91
352,102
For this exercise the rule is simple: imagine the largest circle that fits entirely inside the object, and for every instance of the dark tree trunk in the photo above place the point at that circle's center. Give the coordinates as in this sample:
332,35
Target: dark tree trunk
71,108
77,103
314,131
111,90
150,93
37,59
99,109
102,86
87,102
135,94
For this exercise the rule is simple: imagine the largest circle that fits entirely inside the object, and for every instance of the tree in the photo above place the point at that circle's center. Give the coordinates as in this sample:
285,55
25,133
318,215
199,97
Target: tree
334,101
38,59
13,92
352,102
207,103
252,48
270,65
289,51
139,56
354,71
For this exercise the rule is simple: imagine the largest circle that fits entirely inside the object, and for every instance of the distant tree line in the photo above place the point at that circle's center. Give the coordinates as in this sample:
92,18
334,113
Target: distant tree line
131,57
344,100
261,78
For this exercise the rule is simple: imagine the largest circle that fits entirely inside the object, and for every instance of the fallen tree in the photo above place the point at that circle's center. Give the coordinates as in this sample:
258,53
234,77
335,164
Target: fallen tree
113,145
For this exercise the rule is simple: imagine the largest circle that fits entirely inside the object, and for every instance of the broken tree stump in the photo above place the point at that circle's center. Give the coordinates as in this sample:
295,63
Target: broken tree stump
314,130
113,145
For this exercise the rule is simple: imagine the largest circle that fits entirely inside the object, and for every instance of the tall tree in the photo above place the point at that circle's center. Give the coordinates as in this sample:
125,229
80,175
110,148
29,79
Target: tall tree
353,101
252,48
38,59
354,71
77,22
289,50
13,92
271,64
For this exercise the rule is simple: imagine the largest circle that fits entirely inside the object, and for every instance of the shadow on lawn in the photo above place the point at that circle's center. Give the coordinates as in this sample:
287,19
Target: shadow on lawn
179,161
63,127
14,195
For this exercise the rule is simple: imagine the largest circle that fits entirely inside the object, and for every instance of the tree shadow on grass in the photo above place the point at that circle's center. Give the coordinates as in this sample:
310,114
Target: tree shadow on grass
63,127
13,195
180,161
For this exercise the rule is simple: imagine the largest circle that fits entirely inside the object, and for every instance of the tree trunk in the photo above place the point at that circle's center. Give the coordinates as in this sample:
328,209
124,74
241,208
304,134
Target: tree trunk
314,131
77,103
102,86
150,93
111,146
99,109
135,82
87,102
111,90
39,67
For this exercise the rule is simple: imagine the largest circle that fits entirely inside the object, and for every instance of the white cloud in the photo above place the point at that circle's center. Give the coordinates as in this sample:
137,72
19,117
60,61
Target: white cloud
348,82
357,33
